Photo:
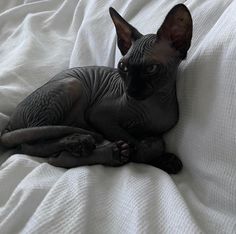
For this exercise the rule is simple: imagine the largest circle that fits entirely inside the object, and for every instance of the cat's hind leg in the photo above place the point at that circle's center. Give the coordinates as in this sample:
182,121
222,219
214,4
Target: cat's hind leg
151,151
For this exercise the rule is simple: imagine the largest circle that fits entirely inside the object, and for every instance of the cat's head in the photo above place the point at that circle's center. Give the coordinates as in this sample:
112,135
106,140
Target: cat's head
150,61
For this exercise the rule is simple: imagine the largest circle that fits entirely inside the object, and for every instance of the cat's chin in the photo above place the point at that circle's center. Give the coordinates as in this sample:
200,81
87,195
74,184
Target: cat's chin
138,97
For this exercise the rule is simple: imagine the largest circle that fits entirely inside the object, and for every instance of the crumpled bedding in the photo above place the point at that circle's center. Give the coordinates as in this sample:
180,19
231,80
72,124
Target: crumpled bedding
39,38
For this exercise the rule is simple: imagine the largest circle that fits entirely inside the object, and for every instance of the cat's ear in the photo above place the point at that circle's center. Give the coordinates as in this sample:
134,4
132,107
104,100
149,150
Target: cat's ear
177,29
126,33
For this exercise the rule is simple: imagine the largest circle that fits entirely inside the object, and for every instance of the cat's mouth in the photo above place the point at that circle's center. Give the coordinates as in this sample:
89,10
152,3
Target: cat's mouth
139,98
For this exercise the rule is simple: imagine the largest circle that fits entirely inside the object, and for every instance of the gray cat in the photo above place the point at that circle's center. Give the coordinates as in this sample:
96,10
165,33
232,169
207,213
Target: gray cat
131,107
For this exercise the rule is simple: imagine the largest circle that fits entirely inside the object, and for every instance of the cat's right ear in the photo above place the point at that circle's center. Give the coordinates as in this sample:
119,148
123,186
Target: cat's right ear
177,29
126,33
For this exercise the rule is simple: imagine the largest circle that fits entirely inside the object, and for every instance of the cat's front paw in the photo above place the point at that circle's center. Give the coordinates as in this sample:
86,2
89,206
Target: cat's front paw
120,153
78,144
169,163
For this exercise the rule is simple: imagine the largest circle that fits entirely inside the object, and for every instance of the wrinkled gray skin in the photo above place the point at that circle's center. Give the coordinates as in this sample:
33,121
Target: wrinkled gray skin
132,106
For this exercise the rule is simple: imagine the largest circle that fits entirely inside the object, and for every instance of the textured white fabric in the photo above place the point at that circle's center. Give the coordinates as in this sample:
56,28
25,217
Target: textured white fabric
39,38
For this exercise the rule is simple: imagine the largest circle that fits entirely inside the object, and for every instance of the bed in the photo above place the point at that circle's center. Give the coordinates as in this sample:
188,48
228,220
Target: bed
39,38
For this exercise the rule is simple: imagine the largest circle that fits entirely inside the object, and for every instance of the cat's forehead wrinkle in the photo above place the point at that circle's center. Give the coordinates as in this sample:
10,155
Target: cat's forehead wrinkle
148,50
139,48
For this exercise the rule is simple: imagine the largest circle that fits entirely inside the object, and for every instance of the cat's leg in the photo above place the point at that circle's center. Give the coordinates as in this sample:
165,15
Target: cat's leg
109,154
168,162
152,151
76,144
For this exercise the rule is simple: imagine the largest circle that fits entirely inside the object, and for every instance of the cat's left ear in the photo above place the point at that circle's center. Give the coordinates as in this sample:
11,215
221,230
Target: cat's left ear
177,29
126,33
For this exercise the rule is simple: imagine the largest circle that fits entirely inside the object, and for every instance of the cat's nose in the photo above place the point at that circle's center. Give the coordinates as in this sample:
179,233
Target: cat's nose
132,90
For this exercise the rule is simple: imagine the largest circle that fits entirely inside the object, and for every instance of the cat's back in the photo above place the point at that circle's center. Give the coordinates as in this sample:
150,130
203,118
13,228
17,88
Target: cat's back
98,81
88,75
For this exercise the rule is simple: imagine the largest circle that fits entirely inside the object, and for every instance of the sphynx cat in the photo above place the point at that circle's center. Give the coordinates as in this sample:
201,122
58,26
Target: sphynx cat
130,107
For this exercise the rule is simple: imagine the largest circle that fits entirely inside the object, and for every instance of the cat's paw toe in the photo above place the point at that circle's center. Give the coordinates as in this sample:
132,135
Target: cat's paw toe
121,153
124,149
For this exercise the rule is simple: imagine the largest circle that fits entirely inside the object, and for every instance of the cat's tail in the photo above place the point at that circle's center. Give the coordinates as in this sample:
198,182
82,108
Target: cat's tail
26,135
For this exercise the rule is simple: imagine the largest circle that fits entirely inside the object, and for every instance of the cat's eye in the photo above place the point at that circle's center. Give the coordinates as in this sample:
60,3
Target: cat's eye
151,69
122,66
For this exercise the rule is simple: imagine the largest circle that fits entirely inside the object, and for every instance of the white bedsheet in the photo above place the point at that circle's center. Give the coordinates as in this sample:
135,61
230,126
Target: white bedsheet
39,38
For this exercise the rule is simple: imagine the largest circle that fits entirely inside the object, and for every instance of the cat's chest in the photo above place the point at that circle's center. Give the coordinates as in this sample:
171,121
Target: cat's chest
148,120
140,120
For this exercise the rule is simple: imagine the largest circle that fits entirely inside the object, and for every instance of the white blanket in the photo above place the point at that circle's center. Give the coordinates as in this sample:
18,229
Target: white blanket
39,38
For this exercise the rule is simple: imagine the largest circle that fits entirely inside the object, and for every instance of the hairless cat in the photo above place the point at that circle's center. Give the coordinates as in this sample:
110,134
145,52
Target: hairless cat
101,115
